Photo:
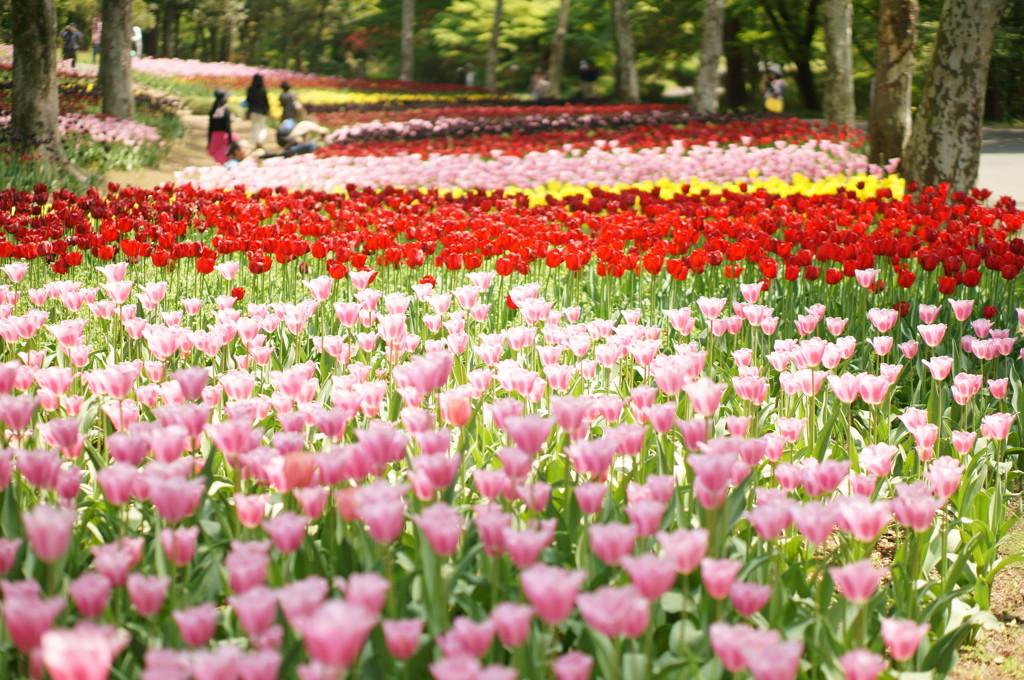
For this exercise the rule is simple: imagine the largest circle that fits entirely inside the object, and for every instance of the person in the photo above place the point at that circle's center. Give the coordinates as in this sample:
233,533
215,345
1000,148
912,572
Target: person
539,85
291,107
218,137
588,76
136,41
97,33
470,75
238,151
72,40
259,109
774,89
296,138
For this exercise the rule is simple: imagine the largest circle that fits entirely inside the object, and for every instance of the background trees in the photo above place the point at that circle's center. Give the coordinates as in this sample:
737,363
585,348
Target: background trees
838,55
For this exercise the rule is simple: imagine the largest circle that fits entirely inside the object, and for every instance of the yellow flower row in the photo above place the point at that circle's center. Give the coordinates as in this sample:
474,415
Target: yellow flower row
323,97
863,185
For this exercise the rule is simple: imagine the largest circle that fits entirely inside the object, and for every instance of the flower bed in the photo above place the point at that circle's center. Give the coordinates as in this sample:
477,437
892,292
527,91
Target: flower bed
470,475
762,422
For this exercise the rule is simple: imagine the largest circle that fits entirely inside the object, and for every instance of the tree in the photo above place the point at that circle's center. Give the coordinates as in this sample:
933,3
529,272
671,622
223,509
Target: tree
794,24
837,20
705,93
629,82
115,60
556,66
945,143
408,15
889,121
34,108
491,69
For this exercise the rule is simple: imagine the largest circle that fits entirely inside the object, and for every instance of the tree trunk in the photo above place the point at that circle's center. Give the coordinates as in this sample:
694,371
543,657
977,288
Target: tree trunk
169,26
735,62
889,121
705,92
805,83
945,144
837,20
491,69
629,81
408,53
556,65
34,108
116,61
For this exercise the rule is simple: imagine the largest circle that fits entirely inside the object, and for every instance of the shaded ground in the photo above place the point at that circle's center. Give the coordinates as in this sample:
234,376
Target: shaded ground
186,152
998,654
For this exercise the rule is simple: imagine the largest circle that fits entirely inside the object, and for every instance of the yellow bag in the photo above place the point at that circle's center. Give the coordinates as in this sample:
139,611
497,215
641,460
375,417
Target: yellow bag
773,104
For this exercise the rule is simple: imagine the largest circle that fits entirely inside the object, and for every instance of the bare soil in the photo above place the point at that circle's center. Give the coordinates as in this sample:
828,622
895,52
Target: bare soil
998,654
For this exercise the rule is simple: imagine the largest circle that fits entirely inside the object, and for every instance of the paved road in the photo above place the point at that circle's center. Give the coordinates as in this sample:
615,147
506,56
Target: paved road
1002,162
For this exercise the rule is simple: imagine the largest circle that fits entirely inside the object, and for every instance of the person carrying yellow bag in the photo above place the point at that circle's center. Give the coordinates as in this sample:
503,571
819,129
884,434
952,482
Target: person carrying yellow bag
774,89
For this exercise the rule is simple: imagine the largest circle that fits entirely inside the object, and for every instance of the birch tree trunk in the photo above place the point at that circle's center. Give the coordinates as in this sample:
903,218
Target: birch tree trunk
408,55
889,121
34,94
705,92
945,143
837,20
629,81
116,61
556,66
491,69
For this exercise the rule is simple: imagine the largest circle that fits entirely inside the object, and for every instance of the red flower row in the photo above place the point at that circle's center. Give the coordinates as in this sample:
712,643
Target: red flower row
797,236
756,132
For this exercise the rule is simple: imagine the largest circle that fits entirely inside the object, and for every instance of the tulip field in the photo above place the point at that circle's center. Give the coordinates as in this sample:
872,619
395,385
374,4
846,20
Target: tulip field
495,391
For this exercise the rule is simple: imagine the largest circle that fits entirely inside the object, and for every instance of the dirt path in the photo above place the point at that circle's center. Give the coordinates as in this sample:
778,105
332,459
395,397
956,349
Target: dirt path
188,151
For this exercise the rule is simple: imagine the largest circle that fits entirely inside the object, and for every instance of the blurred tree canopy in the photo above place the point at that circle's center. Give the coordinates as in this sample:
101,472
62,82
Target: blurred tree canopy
362,37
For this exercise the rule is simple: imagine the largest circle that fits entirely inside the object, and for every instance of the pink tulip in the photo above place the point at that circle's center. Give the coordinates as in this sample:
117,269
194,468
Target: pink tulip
368,590
551,591
512,623
27,617
402,636
467,637
939,366
685,547
962,309
287,530
336,633
590,497
256,609
385,519
862,664
529,433
915,506
525,546
857,581
650,574
615,611
573,665
996,426
705,395
179,545
90,592
442,527
85,652
197,625
460,667
779,661
147,593
301,599
749,598
902,636
728,642
48,530
862,518
718,575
